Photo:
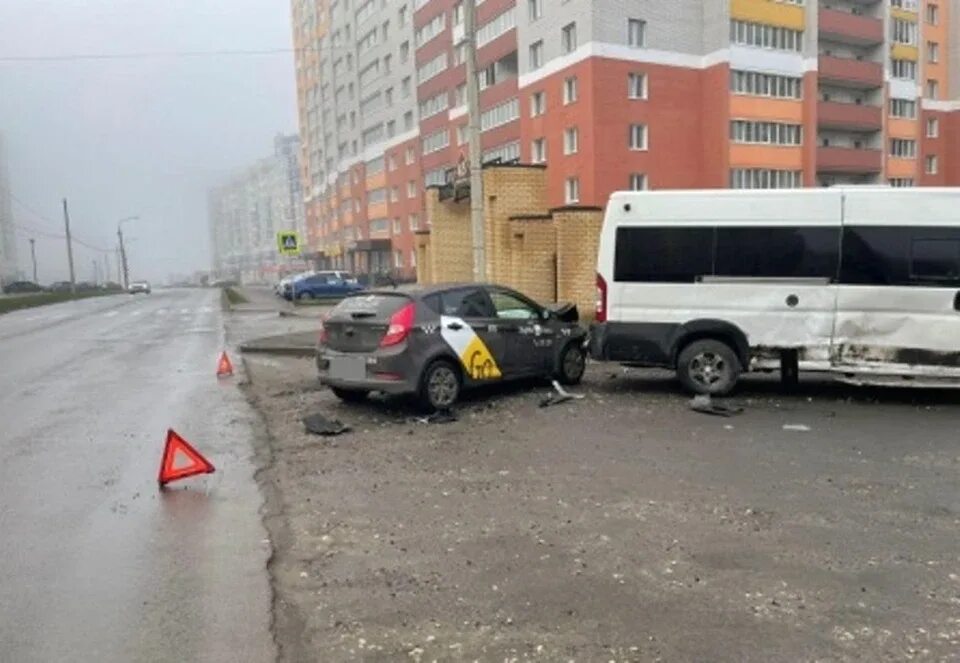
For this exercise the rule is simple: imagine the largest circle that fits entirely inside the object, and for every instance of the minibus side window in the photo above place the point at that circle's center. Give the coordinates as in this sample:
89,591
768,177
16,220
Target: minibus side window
664,255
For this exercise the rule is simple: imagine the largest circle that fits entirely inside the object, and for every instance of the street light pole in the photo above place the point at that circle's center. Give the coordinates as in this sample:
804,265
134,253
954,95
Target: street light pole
123,251
473,132
66,223
33,257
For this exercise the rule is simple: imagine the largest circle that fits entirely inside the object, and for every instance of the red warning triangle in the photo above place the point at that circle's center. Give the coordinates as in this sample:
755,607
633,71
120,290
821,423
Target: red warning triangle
224,367
171,467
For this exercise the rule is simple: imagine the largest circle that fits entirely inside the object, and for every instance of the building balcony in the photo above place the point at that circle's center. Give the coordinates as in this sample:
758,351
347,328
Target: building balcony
849,117
844,72
848,160
847,28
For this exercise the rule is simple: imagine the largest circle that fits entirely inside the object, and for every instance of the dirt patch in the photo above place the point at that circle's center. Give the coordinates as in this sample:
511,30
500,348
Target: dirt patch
621,527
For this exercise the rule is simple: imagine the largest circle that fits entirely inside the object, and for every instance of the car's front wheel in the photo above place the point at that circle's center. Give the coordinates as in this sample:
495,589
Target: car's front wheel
573,363
440,386
350,395
708,367
305,295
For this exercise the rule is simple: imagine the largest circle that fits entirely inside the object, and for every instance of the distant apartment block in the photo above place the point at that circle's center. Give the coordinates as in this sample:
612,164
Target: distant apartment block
613,95
8,239
246,212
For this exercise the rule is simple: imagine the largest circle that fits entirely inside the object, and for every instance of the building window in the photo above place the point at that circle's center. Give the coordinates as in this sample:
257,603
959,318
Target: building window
506,153
436,142
933,89
765,36
765,133
538,150
569,90
933,127
394,194
388,96
435,104
404,52
411,189
538,103
496,26
571,140
499,115
430,30
414,222
536,55
398,259
904,32
904,108
904,69
387,60
462,137
410,155
636,32
391,163
933,14
903,148
933,52
931,164
572,190
766,85
402,16
405,87
413,258
638,137
536,9
396,226
636,86
408,120
762,178
568,38
901,182
638,181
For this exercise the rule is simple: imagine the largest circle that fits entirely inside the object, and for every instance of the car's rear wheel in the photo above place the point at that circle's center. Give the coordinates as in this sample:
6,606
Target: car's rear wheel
440,386
708,367
573,363
350,395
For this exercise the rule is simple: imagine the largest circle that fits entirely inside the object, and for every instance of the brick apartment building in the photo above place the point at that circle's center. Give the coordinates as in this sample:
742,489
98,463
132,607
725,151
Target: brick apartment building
612,95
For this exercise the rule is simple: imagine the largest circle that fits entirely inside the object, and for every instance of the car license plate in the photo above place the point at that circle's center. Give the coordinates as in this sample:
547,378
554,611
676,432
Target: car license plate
348,368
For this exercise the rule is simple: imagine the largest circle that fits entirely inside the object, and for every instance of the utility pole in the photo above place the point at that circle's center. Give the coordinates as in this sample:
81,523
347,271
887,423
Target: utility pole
33,257
119,274
123,259
96,272
473,131
66,223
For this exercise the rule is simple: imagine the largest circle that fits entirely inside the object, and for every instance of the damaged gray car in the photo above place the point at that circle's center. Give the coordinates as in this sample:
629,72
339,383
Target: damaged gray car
434,342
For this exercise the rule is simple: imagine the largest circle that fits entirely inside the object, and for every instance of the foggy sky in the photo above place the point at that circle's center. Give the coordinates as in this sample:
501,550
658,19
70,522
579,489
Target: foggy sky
140,137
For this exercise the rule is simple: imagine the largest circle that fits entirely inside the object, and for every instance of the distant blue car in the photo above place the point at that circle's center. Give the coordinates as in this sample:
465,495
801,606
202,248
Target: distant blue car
322,285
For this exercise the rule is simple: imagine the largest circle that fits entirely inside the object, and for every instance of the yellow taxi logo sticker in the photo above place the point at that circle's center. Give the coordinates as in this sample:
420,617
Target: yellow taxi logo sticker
475,356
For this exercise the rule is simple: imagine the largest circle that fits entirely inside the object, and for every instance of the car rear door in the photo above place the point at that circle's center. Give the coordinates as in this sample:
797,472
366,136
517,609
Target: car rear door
468,326
529,343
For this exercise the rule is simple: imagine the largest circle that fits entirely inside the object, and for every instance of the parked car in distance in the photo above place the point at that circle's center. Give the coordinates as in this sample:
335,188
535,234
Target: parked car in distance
21,287
139,287
60,286
322,285
434,342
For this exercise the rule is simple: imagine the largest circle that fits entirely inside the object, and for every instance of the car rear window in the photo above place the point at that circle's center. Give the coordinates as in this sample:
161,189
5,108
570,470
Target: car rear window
374,306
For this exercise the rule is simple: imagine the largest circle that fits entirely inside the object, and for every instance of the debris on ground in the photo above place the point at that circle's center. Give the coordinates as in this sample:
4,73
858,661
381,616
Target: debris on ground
558,396
321,425
704,404
801,428
446,416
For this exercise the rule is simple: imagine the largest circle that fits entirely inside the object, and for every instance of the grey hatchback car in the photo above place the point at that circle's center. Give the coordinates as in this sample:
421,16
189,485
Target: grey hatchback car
434,342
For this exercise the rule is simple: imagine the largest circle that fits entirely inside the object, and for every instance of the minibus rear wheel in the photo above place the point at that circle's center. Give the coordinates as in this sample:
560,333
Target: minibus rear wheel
708,366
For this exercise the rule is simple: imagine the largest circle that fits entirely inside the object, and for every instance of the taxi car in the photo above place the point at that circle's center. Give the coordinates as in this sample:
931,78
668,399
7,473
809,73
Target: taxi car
436,341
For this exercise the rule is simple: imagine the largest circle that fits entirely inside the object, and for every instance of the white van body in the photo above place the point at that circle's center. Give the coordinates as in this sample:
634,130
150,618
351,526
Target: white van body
863,282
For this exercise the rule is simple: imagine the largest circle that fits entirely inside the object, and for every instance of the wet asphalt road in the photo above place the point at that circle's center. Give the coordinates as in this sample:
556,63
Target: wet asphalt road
95,562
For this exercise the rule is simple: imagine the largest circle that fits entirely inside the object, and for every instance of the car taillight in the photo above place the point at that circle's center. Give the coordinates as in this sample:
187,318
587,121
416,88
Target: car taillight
601,299
322,335
401,323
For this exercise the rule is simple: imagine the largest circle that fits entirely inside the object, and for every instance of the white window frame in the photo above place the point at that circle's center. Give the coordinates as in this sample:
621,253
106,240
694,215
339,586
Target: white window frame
638,182
538,150
635,91
538,103
568,38
570,90
534,10
639,131
536,55
933,127
571,140
636,33
571,190
931,164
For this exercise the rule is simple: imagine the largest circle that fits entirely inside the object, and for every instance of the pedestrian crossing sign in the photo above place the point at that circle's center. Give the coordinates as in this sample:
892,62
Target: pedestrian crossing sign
288,242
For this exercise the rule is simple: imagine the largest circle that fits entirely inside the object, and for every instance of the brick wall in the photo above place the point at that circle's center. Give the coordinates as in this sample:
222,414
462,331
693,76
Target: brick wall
509,190
450,239
533,257
578,241
548,255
